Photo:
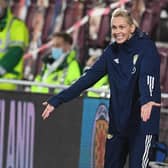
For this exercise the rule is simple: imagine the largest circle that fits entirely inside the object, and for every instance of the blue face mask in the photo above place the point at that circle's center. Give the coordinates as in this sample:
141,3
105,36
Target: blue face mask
56,53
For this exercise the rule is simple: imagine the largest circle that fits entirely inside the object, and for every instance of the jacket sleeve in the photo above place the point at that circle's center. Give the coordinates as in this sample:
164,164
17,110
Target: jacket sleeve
97,71
11,59
149,79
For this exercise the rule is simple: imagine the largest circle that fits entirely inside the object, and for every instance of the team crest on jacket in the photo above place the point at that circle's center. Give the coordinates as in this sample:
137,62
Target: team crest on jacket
133,70
109,136
116,60
135,58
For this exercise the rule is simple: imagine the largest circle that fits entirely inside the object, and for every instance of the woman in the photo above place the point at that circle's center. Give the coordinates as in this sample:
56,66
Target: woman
132,65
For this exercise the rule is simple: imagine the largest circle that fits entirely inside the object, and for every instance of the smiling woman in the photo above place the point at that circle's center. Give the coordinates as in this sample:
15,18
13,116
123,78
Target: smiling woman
122,25
134,108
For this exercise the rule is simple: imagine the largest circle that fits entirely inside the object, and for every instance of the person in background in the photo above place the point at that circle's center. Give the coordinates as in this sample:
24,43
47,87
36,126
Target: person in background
134,105
60,66
14,39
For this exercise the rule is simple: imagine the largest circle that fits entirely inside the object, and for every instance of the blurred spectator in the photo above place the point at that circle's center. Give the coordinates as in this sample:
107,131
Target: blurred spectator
60,66
13,41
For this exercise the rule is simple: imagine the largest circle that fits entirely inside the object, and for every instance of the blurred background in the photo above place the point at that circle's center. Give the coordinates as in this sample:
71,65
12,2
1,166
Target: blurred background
89,24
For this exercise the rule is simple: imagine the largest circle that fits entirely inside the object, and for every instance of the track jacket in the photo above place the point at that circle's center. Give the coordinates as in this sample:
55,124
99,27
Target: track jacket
133,69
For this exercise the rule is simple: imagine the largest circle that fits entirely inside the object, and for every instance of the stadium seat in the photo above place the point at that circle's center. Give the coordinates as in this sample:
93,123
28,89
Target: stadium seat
51,13
81,45
164,74
103,33
150,18
166,82
48,22
54,1
72,14
162,30
31,11
163,67
165,103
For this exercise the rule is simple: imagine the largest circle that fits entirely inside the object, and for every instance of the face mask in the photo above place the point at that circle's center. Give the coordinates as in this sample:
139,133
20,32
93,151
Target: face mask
57,53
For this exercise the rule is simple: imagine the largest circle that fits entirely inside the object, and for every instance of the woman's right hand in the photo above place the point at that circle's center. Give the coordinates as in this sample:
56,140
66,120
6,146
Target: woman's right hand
49,109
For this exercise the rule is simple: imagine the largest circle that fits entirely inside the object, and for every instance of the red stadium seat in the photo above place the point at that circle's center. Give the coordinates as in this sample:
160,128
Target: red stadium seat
82,44
164,74
48,22
166,82
147,23
103,33
54,1
150,18
163,67
165,103
31,11
73,13
162,29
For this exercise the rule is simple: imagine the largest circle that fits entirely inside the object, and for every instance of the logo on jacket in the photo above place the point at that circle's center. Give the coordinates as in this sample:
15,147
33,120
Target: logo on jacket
150,83
116,60
133,70
135,58
109,136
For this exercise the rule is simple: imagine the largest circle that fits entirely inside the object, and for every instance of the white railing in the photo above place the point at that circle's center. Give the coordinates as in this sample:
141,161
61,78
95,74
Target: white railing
103,91
54,86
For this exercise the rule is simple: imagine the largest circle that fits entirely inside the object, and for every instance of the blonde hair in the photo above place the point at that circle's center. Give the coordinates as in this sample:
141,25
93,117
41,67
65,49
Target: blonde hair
125,14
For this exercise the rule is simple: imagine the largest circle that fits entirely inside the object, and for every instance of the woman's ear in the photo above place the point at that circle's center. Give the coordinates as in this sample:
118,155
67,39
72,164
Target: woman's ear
133,27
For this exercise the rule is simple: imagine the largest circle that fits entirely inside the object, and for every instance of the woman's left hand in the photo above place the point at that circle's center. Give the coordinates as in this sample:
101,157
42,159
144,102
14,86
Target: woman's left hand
146,110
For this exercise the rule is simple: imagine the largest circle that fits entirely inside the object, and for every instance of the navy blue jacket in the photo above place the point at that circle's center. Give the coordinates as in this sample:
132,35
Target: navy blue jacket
133,70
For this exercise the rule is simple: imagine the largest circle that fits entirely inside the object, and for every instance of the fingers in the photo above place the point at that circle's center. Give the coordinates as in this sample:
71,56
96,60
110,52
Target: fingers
145,114
45,103
45,114
156,104
146,110
47,110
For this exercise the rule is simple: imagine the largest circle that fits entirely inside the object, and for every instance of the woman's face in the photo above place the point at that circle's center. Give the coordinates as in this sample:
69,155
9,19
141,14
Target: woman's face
121,29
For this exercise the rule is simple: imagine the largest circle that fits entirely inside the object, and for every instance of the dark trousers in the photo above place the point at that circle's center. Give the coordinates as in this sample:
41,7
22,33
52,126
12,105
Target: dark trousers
139,149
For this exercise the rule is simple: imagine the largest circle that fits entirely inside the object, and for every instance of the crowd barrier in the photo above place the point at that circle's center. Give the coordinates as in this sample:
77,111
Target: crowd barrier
73,136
